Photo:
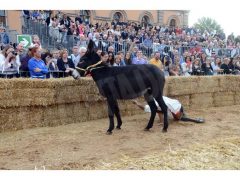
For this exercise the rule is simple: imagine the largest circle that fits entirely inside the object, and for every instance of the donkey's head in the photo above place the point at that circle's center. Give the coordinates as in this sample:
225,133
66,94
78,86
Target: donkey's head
89,60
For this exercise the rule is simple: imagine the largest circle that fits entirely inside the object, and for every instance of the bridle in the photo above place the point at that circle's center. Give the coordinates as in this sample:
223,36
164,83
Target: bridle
93,66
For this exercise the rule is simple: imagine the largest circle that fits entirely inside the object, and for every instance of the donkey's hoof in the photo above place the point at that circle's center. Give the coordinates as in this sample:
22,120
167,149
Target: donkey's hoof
164,130
118,128
147,129
109,132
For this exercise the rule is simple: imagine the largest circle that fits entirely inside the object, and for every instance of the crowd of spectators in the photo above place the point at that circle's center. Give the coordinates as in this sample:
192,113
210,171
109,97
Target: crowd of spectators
176,51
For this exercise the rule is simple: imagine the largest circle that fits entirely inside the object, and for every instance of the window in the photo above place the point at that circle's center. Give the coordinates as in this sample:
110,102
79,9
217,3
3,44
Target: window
2,18
172,23
85,16
117,17
145,21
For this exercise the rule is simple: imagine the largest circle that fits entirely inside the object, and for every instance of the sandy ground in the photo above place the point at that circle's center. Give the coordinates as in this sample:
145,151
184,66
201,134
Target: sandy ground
86,146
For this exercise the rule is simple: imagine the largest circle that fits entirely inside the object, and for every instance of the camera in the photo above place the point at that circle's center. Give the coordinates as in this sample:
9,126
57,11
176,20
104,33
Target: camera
14,53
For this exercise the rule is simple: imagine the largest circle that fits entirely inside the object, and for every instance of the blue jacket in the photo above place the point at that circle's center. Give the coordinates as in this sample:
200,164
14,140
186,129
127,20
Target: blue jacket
32,64
4,38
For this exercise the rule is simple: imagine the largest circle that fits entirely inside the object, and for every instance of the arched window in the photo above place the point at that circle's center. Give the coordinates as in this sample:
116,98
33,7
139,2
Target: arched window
117,17
2,18
145,21
85,16
172,23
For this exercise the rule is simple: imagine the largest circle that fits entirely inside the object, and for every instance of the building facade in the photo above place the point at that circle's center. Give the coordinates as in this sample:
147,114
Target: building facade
12,19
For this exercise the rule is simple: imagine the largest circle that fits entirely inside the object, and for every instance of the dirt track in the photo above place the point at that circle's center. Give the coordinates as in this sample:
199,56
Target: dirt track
85,145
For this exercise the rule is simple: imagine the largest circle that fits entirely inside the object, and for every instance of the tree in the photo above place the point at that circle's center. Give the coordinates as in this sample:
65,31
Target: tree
206,23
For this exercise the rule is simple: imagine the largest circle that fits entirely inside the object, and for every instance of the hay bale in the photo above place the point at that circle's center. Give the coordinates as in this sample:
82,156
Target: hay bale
97,110
181,86
202,100
166,86
192,85
65,114
28,103
80,111
224,98
27,97
237,98
208,84
229,83
20,118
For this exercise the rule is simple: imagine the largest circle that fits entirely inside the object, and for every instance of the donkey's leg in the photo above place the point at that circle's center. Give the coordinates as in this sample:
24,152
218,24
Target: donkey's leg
149,98
164,109
111,108
117,113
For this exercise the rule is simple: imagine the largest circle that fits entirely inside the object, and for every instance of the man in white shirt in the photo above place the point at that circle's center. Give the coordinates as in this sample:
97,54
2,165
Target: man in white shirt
75,57
174,107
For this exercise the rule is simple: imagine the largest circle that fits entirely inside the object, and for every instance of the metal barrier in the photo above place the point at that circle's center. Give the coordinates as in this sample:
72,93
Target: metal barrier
61,74
26,74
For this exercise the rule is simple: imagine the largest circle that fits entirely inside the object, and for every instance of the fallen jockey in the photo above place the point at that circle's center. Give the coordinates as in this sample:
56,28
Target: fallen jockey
175,108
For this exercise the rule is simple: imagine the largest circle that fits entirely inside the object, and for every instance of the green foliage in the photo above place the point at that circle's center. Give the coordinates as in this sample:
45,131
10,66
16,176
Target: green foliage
208,24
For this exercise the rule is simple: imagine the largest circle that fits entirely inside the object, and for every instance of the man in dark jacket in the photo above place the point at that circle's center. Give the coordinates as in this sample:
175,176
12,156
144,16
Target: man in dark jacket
225,67
65,21
124,34
24,64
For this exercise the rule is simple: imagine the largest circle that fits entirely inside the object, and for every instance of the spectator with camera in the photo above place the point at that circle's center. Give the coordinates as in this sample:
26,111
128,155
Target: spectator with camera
36,65
9,62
